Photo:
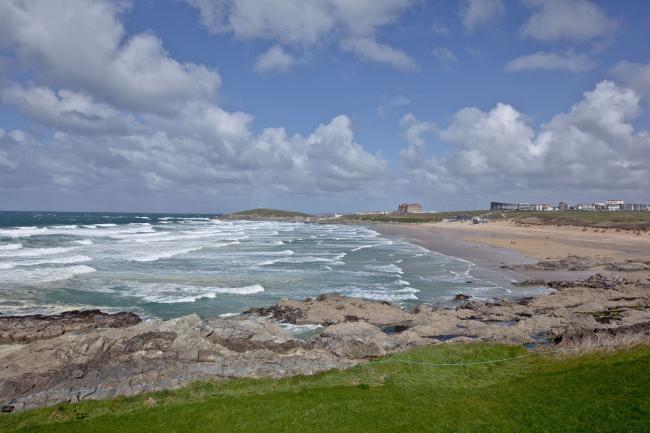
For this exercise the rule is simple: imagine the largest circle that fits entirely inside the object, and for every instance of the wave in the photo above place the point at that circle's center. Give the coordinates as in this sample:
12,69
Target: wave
45,274
380,294
274,253
163,254
23,232
35,252
300,260
189,294
10,247
54,260
83,242
392,268
363,247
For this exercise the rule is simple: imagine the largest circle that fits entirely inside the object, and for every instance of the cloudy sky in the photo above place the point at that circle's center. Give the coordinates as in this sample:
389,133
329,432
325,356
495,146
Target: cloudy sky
321,105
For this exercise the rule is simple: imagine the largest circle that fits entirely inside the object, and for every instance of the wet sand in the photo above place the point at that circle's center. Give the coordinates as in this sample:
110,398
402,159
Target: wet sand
495,247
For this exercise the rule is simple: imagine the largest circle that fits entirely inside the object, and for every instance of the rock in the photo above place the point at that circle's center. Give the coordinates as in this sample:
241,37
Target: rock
461,297
24,329
328,309
355,340
282,313
103,361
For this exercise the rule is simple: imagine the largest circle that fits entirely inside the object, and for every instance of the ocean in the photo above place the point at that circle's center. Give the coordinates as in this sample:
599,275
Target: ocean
169,265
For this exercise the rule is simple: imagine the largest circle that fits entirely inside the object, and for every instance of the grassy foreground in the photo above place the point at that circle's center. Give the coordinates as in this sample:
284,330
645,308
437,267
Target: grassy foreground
600,392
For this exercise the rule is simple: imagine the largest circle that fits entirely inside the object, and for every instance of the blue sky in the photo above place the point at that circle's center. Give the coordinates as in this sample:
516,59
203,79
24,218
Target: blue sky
322,105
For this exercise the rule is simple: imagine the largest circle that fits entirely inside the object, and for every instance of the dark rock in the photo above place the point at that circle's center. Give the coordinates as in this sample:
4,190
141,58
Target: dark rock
461,297
24,329
282,313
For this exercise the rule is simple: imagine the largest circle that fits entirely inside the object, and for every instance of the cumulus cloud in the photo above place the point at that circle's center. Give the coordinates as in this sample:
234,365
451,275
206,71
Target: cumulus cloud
548,61
306,25
368,48
568,20
414,129
127,116
275,59
394,102
592,147
65,109
634,75
478,13
86,49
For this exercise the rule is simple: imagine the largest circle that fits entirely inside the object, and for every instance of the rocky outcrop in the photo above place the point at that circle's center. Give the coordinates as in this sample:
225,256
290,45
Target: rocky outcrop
329,309
90,355
24,329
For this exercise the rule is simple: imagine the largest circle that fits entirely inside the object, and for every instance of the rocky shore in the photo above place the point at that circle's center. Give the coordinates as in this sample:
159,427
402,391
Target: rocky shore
94,355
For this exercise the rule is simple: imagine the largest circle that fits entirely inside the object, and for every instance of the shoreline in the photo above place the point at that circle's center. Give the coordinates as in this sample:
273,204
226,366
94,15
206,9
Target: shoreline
492,263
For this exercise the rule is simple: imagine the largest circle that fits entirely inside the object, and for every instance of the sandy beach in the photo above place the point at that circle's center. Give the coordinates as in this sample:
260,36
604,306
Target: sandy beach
496,246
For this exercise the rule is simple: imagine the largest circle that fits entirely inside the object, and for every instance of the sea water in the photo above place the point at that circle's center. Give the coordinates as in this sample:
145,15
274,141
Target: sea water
170,265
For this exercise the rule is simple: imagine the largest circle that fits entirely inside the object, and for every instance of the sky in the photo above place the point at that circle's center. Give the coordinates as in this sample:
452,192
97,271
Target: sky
321,105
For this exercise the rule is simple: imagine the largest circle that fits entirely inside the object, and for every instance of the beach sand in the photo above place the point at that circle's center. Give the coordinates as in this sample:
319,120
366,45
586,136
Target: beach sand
496,246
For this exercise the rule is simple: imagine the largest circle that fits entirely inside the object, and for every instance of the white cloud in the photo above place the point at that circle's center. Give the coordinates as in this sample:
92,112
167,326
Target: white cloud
478,13
86,49
368,48
392,103
634,75
547,61
414,129
445,57
570,20
307,24
275,59
592,147
65,109
128,117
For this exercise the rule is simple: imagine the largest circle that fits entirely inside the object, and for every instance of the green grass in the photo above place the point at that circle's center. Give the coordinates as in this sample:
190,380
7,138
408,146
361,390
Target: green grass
594,393
267,213
427,217
610,220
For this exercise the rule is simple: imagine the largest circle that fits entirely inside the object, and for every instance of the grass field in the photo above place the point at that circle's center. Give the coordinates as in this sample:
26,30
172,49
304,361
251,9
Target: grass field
266,213
600,392
614,220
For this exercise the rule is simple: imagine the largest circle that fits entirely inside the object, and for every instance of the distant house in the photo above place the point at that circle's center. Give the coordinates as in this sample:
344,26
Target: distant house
405,208
635,207
525,206
495,205
563,206
586,206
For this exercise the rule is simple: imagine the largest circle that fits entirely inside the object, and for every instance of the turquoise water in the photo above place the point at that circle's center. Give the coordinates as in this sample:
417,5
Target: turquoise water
170,265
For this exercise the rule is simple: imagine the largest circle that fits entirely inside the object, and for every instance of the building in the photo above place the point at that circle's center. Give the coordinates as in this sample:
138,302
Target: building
586,206
495,205
614,205
563,206
405,208
635,207
374,212
525,206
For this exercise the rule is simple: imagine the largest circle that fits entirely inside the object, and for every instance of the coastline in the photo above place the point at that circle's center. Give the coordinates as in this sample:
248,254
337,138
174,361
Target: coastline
498,264
92,355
